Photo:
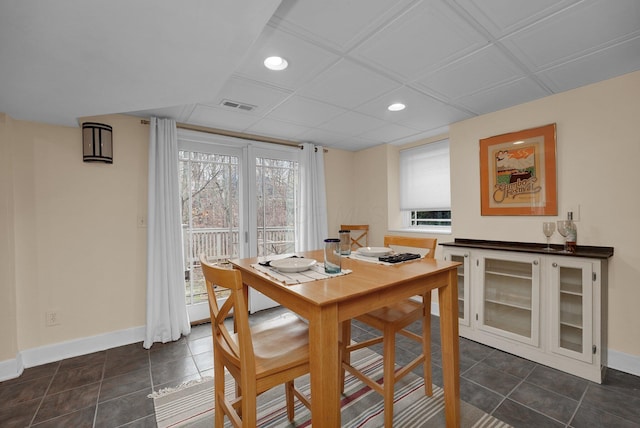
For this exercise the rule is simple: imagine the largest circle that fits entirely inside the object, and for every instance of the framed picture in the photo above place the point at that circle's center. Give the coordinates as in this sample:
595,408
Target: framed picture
518,173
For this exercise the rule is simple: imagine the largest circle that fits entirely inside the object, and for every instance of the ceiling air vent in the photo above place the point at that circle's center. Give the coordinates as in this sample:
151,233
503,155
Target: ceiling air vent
237,105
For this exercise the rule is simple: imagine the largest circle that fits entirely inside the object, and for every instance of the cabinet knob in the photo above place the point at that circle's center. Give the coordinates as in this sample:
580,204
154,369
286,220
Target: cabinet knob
466,255
535,262
554,264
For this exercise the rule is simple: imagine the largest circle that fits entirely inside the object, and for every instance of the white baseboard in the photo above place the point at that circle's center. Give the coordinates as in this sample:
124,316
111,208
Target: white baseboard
624,362
73,348
11,368
615,359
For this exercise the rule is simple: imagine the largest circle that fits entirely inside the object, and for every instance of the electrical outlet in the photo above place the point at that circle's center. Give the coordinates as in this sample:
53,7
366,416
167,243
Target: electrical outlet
52,318
142,221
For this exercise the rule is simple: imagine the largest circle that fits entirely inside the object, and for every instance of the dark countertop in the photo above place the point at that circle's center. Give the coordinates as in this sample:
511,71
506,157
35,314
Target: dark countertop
531,247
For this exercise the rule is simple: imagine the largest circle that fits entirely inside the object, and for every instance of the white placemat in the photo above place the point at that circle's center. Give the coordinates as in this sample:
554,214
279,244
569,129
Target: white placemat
357,256
315,273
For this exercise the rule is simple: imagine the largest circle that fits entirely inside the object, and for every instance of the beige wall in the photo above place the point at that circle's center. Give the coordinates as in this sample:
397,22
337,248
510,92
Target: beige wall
340,188
357,190
78,249
8,322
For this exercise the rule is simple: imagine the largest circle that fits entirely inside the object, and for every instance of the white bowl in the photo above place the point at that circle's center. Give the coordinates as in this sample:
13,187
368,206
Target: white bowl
293,264
374,251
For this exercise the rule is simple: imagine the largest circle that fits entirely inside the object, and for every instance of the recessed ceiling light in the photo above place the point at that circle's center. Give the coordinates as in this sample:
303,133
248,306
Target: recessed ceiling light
396,107
276,63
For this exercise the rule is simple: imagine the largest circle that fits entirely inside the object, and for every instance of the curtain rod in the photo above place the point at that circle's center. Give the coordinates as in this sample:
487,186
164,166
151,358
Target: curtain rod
233,134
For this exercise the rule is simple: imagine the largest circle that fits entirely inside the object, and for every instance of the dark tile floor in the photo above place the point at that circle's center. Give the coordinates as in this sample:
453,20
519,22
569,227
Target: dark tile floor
110,388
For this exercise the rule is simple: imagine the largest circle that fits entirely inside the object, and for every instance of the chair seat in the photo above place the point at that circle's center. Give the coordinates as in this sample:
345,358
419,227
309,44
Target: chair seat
290,349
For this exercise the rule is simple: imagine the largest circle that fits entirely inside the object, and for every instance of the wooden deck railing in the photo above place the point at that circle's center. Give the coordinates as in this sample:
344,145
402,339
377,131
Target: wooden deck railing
220,244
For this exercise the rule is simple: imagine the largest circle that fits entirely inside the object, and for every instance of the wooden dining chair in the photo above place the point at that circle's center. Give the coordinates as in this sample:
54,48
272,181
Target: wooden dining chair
259,357
359,235
392,320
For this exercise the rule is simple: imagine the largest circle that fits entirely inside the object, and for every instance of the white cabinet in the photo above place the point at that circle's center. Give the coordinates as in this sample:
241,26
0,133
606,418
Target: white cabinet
546,307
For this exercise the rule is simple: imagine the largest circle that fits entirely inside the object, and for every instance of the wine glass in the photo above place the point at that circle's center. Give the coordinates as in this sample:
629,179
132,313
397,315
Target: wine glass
548,227
563,226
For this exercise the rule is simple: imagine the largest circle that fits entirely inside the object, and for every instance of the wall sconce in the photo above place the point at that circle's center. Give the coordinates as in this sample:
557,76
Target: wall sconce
97,144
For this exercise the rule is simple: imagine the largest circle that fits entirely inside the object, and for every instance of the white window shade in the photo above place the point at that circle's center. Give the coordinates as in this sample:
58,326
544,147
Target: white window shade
424,177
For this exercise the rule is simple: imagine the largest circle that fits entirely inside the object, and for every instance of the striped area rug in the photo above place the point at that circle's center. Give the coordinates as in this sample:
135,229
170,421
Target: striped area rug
191,404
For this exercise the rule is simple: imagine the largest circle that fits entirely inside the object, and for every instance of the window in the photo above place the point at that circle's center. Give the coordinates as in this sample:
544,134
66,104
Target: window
425,189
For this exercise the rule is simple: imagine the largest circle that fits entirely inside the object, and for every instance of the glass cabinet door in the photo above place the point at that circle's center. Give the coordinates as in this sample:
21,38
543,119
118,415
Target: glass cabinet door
510,297
571,286
463,283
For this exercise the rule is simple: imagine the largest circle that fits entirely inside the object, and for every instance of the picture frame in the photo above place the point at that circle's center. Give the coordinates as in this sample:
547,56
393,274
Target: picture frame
518,173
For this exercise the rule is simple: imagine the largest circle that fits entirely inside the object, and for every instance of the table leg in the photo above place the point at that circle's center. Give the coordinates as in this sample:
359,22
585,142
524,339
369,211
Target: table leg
448,302
325,374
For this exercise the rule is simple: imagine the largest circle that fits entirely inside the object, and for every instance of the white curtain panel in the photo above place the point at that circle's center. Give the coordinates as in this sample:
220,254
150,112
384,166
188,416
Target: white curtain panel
313,199
167,317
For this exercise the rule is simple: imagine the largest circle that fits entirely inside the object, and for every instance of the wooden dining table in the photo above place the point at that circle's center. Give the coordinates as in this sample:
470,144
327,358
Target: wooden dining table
326,303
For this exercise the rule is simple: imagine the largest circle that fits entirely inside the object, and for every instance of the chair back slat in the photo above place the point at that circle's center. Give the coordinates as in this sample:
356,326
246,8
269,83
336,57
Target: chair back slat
359,234
412,242
241,348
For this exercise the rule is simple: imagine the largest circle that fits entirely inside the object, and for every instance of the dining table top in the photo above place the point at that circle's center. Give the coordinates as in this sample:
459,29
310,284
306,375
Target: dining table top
365,277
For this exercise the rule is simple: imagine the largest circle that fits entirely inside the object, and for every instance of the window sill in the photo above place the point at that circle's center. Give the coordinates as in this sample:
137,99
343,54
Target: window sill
428,230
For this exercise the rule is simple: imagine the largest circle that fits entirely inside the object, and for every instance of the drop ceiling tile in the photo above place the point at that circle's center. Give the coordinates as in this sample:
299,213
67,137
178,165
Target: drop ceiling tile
605,64
357,143
562,37
336,23
352,123
325,138
501,17
277,128
304,111
482,69
423,39
246,91
348,84
440,131
178,113
422,112
389,133
507,95
305,59
221,118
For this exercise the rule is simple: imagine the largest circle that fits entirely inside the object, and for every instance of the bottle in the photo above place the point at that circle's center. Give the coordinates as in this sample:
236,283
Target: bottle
572,234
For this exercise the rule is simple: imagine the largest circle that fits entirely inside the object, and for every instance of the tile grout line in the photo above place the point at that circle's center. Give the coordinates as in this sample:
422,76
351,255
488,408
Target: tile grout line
44,395
95,412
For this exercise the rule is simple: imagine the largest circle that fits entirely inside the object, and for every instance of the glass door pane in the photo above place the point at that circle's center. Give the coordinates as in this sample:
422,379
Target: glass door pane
508,296
276,189
571,316
209,190
461,297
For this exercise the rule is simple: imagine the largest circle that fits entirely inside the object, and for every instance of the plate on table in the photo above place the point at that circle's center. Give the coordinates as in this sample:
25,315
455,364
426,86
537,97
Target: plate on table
293,264
374,251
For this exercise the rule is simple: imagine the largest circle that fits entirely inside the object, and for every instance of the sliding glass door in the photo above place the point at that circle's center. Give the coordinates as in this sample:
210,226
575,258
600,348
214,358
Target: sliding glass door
238,200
